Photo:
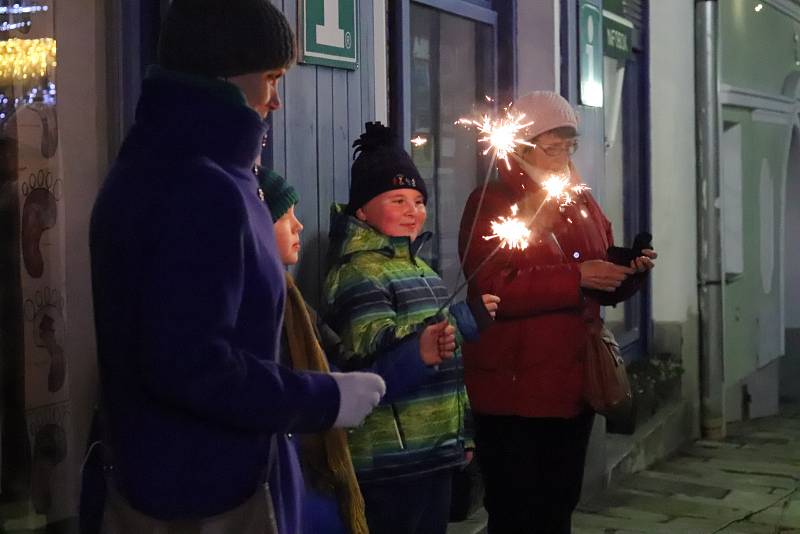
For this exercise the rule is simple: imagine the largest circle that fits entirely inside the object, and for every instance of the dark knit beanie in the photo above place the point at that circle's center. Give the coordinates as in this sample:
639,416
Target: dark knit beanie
222,39
278,194
380,165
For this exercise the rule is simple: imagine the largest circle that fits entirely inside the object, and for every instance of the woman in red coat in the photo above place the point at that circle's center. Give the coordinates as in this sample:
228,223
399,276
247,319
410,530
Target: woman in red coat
524,375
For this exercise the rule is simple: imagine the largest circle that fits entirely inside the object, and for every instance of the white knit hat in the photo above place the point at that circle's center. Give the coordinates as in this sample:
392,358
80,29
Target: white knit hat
547,110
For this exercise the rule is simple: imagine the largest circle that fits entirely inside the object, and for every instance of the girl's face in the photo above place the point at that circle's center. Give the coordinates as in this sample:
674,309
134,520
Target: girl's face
287,236
396,213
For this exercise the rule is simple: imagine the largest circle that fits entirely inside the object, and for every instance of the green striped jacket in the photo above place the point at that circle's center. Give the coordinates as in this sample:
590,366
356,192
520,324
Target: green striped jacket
378,292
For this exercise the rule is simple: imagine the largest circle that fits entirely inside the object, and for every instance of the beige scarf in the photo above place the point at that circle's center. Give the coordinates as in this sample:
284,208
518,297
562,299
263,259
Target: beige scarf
325,456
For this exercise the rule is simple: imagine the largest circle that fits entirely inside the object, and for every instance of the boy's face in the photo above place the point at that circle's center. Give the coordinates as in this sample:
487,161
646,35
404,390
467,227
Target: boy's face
287,236
261,90
396,213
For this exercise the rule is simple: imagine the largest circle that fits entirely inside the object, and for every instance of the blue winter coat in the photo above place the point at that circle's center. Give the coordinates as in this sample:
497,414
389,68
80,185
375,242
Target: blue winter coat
189,296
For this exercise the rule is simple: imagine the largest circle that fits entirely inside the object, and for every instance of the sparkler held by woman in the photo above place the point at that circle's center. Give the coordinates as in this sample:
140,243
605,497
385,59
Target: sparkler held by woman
515,233
501,137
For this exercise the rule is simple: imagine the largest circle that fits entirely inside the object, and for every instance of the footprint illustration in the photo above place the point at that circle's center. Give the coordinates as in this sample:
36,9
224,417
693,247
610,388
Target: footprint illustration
39,214
46,313
49,450
47,114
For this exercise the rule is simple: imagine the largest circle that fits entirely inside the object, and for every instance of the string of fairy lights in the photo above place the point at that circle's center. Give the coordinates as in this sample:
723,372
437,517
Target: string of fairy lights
27,65
21,59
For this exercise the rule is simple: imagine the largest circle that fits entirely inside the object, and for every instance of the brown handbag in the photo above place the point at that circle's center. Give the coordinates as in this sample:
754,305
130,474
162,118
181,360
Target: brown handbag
605,386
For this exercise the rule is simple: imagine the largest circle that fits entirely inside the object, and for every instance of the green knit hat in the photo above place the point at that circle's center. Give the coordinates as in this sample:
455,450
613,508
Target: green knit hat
277,193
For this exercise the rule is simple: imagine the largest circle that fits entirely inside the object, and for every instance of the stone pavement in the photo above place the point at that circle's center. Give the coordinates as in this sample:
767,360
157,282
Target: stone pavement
748,483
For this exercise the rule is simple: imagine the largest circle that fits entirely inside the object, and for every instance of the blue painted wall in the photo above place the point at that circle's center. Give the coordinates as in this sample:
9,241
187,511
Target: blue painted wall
324,109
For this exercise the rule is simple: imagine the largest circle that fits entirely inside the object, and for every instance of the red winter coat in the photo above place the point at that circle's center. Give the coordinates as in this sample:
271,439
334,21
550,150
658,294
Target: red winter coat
530,361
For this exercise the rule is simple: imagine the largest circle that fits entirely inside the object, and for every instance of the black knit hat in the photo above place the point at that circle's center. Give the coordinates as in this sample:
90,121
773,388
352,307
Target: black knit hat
380,165
278,194
222,39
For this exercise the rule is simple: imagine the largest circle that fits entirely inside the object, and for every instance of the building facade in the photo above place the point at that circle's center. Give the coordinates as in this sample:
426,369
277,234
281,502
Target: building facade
628,66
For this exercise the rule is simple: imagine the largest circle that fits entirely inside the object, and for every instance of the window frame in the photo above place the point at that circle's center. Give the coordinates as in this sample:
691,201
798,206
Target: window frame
399,23
636,343
637,193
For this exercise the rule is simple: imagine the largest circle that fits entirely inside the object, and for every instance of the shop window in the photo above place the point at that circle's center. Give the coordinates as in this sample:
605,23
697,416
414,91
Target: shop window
451,62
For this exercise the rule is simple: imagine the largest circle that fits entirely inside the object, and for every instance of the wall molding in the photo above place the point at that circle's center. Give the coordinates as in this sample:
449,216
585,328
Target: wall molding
731,95
379,52
787,7
772,117
463,9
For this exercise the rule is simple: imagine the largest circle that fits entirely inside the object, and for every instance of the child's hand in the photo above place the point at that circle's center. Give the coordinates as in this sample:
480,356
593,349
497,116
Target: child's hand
437,343
447,342
491,302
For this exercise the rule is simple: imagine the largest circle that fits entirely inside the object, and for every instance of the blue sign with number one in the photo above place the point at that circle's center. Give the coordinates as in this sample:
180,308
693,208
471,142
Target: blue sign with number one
329,33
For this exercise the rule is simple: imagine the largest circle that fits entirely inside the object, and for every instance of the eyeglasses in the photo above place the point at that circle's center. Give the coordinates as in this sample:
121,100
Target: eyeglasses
558,149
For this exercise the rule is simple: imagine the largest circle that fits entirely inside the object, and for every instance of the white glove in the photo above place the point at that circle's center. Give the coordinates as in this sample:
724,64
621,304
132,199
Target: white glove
359,393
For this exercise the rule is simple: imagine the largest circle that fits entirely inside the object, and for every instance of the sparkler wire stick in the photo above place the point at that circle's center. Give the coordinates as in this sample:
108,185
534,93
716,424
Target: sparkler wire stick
475,218
483,262
469,279
501,137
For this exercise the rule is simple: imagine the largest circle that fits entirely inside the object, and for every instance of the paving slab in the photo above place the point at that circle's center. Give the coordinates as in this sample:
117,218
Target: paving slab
748,483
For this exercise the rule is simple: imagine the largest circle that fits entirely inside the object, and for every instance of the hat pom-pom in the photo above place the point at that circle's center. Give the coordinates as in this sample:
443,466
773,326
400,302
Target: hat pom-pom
376,135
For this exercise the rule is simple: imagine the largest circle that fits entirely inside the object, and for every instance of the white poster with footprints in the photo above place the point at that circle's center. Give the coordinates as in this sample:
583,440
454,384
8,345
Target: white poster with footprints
42,236
49,434
28,114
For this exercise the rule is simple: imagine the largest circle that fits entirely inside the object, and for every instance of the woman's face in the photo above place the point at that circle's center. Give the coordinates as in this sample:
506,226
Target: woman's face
396,213
260,89
287,236
551,153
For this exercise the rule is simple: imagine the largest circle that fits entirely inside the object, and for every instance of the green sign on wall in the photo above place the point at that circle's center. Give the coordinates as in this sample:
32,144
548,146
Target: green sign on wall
590,54
618,32
328,31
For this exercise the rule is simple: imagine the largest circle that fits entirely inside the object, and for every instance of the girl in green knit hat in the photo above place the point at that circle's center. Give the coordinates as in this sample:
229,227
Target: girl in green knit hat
332,501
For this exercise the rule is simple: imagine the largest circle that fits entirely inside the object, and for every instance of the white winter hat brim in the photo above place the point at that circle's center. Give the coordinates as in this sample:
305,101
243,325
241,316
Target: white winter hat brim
547,110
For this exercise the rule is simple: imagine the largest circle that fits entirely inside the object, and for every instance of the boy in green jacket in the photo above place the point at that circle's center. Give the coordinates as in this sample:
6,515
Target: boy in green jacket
378,293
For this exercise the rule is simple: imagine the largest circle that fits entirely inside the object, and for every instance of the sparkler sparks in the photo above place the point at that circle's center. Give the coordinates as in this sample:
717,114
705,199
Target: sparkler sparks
419,141
512,232
500,135
558,188
515,233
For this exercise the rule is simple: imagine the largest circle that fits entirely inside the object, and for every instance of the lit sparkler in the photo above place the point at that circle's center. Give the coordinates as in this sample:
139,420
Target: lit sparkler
419,141
559,188
515,233
500,135
512,232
